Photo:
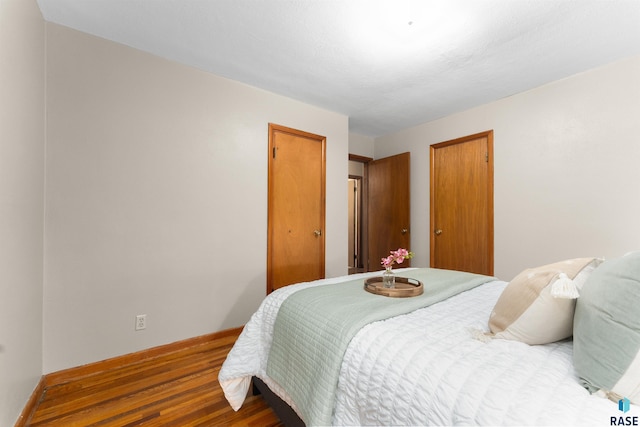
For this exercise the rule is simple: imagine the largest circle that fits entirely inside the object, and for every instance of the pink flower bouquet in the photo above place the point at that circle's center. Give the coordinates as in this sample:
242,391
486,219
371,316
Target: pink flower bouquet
396,257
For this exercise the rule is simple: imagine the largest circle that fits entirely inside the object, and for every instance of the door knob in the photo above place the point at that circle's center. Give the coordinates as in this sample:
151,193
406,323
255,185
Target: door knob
317,233
438,232
404,231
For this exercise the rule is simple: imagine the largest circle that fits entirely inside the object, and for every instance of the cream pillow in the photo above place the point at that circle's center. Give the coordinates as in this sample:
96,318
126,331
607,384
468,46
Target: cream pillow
537,306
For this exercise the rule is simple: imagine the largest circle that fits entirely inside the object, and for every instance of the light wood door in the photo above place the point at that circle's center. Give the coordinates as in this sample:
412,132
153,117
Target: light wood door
296,212
462,204
388,208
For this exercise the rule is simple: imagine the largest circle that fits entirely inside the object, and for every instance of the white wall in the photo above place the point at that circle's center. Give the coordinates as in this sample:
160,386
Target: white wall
157,198
566,168
361,145
22,142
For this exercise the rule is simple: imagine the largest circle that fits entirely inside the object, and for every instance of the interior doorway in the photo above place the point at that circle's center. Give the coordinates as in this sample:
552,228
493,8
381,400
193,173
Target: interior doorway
384,222
357,213
354,255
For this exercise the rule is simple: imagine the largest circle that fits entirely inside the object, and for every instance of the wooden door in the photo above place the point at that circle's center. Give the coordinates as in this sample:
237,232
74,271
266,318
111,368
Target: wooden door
462,204
296,211
388,208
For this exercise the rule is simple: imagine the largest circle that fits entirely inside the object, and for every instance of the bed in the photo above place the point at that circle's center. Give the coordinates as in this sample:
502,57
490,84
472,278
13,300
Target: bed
443,364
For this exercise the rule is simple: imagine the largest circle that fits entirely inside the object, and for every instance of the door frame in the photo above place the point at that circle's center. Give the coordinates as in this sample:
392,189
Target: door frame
490,215
273,128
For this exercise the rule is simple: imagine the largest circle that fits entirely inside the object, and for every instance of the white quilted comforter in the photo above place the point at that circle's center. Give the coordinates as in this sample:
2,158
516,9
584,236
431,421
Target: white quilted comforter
426,368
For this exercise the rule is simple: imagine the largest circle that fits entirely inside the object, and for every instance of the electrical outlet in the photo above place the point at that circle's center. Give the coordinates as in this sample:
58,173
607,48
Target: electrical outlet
141,322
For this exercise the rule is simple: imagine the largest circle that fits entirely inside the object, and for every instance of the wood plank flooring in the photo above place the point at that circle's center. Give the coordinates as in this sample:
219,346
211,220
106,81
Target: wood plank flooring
176,389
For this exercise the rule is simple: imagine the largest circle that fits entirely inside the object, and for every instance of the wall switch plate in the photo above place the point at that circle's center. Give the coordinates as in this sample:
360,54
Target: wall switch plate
141,322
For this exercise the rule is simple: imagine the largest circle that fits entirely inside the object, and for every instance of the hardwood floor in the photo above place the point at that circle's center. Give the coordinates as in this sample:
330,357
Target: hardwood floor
176,389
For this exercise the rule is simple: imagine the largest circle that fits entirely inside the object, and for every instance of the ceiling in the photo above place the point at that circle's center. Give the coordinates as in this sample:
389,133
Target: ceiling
388,65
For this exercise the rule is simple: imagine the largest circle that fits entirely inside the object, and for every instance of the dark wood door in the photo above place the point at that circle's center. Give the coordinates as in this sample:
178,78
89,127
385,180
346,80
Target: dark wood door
462,204
296,212
389,221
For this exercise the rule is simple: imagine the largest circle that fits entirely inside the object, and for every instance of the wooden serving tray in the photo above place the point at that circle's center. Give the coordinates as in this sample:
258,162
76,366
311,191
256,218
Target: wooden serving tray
405,287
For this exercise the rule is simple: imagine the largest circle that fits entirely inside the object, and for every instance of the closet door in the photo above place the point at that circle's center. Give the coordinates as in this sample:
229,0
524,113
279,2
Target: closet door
462,204
296,211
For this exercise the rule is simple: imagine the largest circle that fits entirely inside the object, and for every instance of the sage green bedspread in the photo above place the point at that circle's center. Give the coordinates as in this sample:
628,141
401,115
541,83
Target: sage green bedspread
315,325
